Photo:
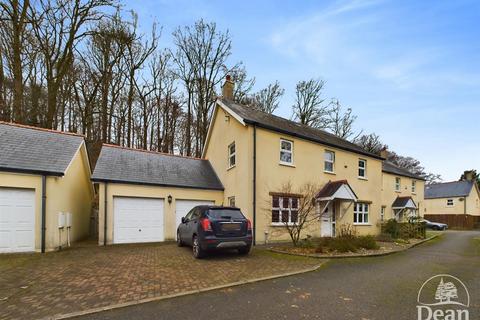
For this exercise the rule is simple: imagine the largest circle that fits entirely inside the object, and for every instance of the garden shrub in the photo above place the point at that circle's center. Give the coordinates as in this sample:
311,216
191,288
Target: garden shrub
367,242
391,227
385,237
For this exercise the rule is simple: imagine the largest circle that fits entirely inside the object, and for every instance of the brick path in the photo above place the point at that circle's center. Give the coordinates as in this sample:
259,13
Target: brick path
34,286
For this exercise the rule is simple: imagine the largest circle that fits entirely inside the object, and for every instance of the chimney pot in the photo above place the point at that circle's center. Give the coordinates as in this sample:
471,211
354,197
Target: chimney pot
384,153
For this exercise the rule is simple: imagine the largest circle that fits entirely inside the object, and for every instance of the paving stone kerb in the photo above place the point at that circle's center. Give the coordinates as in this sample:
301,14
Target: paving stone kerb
364,255
75,281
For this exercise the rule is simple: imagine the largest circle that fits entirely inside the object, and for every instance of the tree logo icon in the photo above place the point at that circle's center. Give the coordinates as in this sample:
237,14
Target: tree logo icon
443,289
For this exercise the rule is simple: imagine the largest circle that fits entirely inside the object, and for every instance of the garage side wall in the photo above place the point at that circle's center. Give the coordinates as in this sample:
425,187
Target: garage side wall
26,181
71,193
131,190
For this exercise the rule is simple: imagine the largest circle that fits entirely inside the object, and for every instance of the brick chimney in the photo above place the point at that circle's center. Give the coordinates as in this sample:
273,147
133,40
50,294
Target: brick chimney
384,153
228,87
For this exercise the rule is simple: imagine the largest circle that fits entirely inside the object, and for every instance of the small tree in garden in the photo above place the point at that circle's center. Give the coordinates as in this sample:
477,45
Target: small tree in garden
295,208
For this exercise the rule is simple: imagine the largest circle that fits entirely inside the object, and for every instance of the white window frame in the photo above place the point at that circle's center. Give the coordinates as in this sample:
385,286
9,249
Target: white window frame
414,186
232,155
363,213
286,151
398,184
364,168
280,210
231,201
382,213
450,203
325,161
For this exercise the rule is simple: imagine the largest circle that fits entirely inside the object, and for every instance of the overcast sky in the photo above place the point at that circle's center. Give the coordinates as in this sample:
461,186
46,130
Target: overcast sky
410,70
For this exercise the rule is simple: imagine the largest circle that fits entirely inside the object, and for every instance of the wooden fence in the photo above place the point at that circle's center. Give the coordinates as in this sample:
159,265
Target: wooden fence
456,221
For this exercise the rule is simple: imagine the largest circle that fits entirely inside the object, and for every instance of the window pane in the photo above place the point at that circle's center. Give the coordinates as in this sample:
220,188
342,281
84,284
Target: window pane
232,148
329,166
361,172
294,216
284,215
360,216
286,145
285,157
365,207
365,218
355,217
295,203
275,216
285,203
275,202
328,156
361,163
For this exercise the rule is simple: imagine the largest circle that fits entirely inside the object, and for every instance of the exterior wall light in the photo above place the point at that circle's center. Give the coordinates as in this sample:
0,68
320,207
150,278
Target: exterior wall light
169,199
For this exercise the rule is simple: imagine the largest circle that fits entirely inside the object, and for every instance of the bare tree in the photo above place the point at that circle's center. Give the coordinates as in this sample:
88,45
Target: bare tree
341,123
304,210
309,108
371,143
243,84
267,99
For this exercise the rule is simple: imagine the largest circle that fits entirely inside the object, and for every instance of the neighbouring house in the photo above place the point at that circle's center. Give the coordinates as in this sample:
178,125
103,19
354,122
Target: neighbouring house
452,198
402,193
143,195
44,185
255,154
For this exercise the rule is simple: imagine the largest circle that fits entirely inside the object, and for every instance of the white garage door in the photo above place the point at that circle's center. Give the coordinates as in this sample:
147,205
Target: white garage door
137,220
184,206
17,220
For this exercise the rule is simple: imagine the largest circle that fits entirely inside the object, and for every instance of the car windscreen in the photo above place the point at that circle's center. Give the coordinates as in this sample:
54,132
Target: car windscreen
225,214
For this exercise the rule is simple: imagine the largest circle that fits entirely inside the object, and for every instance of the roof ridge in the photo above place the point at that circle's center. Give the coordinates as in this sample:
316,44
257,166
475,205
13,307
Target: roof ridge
151,152
458,181
302,125
18,125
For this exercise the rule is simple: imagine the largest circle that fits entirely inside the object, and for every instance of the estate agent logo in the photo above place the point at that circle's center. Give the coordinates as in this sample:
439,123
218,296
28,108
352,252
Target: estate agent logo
443,297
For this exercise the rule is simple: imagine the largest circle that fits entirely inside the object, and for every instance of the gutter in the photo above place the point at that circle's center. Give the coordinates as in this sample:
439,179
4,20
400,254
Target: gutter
33,171
254,183
102,180
105,217
44,211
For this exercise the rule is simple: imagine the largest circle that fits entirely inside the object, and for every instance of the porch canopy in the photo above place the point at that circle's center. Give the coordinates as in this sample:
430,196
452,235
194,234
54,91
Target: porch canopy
334,190
404,203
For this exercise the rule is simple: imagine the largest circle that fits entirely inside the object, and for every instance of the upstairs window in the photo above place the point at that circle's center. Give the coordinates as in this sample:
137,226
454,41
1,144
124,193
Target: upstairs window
414,186
397,184
286,151
362,168
284,209
329,161
449,202
231,155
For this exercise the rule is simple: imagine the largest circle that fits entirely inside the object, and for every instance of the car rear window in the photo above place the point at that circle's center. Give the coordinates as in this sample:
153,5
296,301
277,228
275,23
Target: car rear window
225,214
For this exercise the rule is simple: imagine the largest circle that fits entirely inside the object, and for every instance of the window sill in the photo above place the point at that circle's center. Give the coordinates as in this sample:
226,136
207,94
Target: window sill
362,224
329,172
230,168
291,165
281,224
363,178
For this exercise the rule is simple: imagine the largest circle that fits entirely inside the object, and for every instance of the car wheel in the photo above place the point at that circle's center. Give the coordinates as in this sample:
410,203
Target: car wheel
435,228
179,240
244,250
198,252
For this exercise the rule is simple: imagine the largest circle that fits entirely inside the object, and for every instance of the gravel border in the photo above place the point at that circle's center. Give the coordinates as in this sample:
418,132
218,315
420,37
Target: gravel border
375,254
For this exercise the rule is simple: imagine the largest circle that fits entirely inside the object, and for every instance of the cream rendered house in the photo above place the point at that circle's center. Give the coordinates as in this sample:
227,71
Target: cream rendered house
255,154
44,174
457,197
402,193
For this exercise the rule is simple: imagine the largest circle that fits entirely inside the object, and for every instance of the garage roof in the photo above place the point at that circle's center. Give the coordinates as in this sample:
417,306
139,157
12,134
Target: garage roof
125,165
36,150
448,189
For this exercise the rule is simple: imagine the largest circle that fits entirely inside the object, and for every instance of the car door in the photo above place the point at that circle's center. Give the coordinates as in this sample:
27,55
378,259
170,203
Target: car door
183,227
192,225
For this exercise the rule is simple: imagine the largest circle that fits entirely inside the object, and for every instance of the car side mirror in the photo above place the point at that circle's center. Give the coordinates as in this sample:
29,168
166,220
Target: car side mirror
184,220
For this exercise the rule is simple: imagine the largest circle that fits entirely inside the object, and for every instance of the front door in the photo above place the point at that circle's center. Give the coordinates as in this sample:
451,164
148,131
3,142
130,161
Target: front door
327,221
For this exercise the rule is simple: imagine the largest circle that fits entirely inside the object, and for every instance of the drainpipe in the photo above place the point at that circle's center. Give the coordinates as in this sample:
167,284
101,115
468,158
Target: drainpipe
254,183
464,205
44,210
105,217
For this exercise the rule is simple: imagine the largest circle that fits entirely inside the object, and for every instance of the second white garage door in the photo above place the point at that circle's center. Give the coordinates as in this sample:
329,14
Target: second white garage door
137,220
184,206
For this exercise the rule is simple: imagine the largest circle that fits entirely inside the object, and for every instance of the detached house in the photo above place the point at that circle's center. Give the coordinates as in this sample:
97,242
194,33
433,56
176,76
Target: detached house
255,154
452,198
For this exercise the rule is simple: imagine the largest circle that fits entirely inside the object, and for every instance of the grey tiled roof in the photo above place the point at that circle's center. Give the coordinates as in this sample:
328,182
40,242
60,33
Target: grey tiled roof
389,167
34,150
282,125
448,189
117,164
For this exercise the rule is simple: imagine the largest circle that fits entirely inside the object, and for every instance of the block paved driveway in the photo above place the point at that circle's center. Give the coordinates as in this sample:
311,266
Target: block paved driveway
34,286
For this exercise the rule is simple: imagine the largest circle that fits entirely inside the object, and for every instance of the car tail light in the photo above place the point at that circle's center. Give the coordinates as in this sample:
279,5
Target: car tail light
206,225
249,225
